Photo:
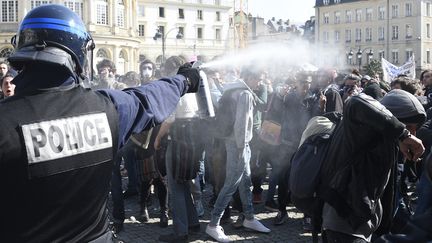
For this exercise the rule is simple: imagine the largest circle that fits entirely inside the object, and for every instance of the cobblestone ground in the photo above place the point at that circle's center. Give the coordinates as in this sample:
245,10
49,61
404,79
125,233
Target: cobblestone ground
135,231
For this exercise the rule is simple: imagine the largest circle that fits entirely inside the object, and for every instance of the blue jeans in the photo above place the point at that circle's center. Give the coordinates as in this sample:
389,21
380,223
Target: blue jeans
182,206
424,192
238,175
129,158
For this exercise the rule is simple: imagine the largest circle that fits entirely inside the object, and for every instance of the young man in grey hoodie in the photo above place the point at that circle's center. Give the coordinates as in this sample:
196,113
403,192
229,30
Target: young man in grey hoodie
238,174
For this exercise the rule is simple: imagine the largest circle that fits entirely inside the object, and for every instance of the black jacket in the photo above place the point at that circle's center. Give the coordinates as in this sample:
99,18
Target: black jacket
361,157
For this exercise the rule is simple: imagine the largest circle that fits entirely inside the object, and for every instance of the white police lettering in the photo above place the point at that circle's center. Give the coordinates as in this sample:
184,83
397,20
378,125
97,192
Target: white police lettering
48,140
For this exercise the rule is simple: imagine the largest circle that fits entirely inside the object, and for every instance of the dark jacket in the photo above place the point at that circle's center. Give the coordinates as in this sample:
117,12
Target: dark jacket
62,194
361,156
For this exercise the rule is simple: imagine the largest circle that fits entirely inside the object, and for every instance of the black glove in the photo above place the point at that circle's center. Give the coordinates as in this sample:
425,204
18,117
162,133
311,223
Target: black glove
192,77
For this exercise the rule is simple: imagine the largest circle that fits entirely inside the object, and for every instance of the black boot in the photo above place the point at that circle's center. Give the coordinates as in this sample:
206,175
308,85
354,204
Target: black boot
163,223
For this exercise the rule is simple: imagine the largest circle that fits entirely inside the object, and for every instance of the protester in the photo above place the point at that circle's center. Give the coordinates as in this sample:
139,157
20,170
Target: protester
107,76
56,167
371,87
4,68
328,91
282,107
351,86
183,153
238,168
7,86
147,71
361,158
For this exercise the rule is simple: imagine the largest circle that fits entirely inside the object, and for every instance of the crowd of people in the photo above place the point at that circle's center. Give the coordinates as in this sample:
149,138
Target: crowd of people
235,162
376,169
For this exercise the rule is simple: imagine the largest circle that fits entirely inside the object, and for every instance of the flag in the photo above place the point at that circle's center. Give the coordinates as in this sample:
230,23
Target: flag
390,71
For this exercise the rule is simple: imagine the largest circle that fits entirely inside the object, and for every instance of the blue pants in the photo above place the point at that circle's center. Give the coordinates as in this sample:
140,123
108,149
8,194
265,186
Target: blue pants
238,175
183,209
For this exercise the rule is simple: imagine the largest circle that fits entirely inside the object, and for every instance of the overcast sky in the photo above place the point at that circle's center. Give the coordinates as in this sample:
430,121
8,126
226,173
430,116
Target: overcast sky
298,11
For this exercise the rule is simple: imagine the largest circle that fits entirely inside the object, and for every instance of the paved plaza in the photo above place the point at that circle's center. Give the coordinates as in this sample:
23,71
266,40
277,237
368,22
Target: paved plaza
135,231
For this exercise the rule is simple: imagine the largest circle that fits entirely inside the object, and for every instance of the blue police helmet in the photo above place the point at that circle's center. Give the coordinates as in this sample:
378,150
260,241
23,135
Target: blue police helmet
52,34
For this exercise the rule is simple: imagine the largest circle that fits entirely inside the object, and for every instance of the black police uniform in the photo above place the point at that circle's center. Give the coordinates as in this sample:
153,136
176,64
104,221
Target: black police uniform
51,144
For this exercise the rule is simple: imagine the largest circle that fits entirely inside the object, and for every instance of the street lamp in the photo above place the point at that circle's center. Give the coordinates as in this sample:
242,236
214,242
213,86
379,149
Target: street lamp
359,56
350,55
161,34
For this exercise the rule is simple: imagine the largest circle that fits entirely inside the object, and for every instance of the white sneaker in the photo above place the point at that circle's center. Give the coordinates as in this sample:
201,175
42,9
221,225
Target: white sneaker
217,233
256,225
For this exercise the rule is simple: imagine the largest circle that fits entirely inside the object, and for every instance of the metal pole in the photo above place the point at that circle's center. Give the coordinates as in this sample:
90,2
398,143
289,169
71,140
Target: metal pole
359,63
163,47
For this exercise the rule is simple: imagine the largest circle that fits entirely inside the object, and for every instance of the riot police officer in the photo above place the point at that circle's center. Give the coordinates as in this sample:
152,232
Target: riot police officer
58,139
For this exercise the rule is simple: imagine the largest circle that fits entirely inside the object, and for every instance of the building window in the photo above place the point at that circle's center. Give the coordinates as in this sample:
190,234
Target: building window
369,13
199,33
381,13
381,33
408,9
347,35
395,57
325,36
408,54
218,34
326,2
9,11
395,11
162,12
395,32
218,16
428,61
37,3
358,35
428,30
409,31
141,10
181,13
358,15
120,13
162,29
141,30
181,30
368,34
5,53
326,18
336,1
102,12
428,9
121,62
348,16
337,36
337,17
102,54
200,14
76,6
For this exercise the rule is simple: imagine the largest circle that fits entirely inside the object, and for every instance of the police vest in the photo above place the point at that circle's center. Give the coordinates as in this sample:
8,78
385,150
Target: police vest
56,152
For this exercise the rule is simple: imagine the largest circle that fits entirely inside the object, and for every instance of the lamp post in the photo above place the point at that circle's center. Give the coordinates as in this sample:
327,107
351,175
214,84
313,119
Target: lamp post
161,34
359,56
350,55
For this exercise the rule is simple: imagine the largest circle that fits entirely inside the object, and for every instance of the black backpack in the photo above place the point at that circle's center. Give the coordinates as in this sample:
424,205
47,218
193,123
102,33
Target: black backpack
304,177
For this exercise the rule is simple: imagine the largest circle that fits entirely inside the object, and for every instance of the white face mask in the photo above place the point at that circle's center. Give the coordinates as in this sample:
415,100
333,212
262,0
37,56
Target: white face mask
146,73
